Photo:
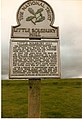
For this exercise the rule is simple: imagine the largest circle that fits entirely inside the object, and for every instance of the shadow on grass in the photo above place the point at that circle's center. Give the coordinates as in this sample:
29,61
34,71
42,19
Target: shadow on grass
54,115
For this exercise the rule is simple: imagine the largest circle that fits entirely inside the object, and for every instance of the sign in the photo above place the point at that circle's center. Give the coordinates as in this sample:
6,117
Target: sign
34,58
34,44
35,19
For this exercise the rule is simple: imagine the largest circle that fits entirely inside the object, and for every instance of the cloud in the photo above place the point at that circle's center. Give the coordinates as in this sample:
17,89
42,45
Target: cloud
71,52
4,61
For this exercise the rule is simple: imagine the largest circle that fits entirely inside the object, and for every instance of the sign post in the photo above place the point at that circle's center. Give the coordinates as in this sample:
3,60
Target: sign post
34,98
34,49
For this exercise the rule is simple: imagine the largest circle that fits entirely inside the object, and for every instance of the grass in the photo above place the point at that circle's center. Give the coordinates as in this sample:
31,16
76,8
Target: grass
60,98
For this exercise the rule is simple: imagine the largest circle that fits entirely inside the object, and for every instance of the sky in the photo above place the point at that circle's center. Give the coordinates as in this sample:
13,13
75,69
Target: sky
68,16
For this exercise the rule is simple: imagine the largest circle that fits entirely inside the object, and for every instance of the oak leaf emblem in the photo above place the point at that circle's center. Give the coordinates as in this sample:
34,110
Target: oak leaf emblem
36,16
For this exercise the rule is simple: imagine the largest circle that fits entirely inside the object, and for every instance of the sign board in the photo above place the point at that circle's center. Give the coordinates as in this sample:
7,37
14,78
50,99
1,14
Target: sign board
34,58
34,44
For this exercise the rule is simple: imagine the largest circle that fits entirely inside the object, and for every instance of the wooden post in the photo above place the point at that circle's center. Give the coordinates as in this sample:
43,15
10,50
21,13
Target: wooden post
34,98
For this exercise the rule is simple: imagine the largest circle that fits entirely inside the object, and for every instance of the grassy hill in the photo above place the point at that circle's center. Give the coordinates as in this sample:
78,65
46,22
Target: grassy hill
60,98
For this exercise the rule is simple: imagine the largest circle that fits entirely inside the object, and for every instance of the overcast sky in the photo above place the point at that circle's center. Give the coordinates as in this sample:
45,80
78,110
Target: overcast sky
68,16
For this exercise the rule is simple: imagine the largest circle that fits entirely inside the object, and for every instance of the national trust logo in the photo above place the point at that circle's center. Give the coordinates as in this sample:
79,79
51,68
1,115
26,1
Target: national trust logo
35,12
35,16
